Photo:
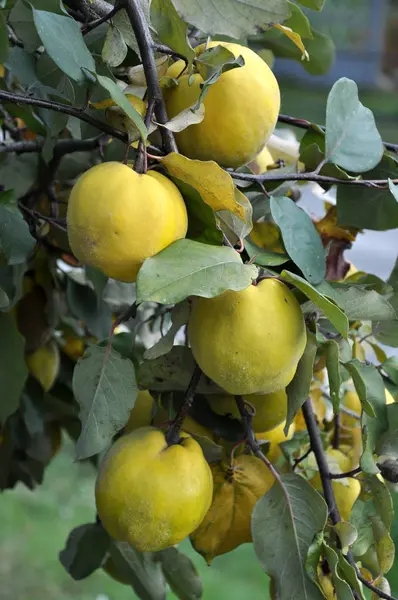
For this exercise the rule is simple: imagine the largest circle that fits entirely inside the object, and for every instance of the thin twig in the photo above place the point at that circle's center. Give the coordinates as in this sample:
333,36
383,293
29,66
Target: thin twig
271,176
304,124
344,475
145,43
173,434
94,24
63,108
61,148
300,459
166,50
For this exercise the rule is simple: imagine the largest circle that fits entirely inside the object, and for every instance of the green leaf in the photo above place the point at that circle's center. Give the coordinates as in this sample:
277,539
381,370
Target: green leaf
314,4
358,302
86,306
386,332
122,101
347,534
171,29
298,21
114,50
352,139
264,258
300,238
390,366
235,19
4,300
85,550
393,278
98,279
393,189
122,22
21,20
11,282
179,317
187,268
202,226
4,47
180,574
342,588
16,242
330,310
332,366
370,389
141,568
320,48
104,386
312,157
171,372
19,173
63,40
291,517
299,388
13,370
369,208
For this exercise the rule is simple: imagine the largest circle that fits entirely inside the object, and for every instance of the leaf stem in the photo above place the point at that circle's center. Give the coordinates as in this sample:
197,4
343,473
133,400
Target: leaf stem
173,433
145,44
94,24
347,474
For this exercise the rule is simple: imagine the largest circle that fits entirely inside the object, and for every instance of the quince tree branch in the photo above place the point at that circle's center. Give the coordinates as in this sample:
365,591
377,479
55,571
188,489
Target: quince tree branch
326,480
173,433
145,44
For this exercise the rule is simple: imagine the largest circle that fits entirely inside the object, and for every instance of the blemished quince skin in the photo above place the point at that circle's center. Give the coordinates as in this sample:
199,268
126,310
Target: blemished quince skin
250,341
43,364
231,133
270,409
152,495
346,491
117,218
237,488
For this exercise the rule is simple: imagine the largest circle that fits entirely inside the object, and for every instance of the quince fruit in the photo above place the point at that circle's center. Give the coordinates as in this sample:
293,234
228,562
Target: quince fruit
117,218
267,235
142,412
152,495
237,487
43,364
249,341
230,133
275,437
270,409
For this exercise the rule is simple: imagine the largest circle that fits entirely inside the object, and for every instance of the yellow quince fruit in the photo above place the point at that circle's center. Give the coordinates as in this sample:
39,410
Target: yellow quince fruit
152,495
270,409
276,437
267,235
142,412
117,218
43,364
250,341
237,487
231,133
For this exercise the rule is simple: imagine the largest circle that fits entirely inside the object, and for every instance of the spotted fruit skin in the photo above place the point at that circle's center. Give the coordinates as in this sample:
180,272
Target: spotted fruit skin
117,218
230,133
250,341
152,495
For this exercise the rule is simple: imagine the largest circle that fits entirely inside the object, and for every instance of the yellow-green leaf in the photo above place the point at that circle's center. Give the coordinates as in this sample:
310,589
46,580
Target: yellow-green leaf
213,183
295,38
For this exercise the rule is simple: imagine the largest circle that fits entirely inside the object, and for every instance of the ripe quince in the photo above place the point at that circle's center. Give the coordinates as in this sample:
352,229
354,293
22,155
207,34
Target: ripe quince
43,364
231,133
250,341
152,495
117,218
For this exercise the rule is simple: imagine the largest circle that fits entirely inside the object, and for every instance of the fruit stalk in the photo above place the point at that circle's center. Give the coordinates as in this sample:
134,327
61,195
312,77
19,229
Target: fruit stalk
173,434
145,43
